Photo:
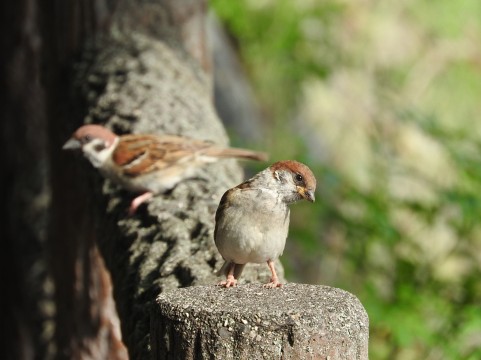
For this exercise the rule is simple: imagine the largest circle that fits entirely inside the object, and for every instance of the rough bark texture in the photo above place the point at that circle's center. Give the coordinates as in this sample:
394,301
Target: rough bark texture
132,81
57,293
296,321
234,98
138,66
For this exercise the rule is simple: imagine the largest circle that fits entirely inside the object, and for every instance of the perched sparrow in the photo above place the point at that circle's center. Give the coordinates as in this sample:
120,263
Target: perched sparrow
148,164
252,220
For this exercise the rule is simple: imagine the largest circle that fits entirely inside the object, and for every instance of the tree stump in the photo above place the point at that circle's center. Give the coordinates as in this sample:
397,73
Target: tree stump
296,321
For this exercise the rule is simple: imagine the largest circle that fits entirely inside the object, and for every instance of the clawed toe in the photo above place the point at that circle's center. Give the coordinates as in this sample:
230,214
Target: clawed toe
228,283
272,284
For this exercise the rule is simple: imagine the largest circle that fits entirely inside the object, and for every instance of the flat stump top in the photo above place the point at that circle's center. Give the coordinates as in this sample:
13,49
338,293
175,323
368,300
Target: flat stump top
323,310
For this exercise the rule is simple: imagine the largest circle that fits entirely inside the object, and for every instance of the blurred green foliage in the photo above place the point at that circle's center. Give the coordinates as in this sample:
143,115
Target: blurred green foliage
382,100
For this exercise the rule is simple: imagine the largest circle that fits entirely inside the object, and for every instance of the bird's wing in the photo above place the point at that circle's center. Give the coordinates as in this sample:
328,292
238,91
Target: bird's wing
148,153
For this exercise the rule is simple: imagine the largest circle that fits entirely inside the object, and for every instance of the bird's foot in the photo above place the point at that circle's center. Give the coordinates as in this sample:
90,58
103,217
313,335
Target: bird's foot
274,279
229,282
274,283
138,201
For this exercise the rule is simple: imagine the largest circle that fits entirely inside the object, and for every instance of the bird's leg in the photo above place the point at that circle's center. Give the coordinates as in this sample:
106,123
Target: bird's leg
230,281
274,279
139,200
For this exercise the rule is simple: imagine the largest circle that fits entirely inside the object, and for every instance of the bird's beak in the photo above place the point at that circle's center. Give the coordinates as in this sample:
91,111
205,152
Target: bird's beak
306,194
72,144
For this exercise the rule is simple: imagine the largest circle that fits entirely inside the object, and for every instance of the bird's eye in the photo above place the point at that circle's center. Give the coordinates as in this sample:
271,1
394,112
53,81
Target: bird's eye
299,177
86,139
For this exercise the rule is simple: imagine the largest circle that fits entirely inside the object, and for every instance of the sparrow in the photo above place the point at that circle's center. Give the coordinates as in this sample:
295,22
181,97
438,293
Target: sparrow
252,219
148,164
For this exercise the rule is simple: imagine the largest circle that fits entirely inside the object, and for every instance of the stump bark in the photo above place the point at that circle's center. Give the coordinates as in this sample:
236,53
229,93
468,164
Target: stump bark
296,321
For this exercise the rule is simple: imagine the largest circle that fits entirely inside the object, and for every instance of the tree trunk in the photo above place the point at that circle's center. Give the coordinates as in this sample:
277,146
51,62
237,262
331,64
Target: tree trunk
136,66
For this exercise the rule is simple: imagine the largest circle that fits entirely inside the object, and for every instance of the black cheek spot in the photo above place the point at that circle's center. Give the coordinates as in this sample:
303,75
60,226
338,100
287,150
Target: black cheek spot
99,147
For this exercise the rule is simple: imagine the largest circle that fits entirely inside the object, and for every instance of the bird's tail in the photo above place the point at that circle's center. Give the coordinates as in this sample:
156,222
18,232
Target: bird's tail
237,153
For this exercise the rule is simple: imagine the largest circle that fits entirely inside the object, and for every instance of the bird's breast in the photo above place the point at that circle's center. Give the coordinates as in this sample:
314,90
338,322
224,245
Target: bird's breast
253,229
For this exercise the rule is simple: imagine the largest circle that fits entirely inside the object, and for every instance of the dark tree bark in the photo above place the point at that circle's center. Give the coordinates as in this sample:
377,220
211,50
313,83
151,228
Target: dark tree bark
77,269
58,292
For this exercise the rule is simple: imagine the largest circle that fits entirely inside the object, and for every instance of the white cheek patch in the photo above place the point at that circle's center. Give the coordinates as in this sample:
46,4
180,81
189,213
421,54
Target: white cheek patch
277,176
281,176
98,157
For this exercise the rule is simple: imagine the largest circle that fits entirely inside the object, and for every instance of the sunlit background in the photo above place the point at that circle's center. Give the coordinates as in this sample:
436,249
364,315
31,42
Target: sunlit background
382,99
